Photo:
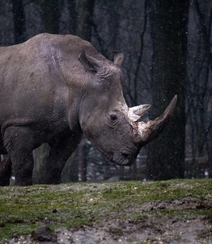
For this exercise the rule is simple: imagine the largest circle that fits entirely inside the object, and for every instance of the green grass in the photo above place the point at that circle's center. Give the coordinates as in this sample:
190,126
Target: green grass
72,205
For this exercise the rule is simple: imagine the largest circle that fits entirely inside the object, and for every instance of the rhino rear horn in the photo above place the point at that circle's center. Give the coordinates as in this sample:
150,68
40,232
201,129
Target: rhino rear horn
90,63
136,112
152,128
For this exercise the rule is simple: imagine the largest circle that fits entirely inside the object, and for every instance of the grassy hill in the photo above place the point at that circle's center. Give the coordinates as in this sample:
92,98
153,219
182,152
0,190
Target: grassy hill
139,212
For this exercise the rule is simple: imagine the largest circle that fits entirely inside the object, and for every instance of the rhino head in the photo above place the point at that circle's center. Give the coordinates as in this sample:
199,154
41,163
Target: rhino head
106,120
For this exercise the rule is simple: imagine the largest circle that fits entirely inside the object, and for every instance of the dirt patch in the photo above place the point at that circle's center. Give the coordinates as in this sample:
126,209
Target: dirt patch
151,226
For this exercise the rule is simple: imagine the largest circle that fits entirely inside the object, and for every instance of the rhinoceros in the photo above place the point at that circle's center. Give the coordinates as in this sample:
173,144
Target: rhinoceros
54,88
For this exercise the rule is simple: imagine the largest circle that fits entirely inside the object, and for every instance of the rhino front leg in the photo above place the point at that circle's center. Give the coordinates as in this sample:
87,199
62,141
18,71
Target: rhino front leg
59,153
5,171
54,165
18,142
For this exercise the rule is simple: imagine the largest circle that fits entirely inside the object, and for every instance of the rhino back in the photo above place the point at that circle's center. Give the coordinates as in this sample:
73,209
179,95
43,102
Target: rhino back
36,76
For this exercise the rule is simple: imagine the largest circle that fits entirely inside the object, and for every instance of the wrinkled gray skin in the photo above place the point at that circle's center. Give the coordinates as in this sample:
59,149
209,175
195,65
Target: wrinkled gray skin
56,87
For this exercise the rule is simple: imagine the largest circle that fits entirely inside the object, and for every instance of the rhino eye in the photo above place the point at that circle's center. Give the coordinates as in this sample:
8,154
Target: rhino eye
113,117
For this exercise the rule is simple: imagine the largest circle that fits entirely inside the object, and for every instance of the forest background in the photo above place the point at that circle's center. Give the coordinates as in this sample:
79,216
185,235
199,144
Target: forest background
168,51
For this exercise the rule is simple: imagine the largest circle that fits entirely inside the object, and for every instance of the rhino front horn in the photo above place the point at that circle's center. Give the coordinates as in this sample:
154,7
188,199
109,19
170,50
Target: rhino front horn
152,128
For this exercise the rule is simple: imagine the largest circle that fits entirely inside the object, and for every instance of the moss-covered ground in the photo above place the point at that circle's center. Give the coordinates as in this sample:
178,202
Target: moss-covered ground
22,209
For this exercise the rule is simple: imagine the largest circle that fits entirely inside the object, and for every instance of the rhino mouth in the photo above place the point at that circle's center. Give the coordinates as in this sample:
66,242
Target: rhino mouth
119,158
123,159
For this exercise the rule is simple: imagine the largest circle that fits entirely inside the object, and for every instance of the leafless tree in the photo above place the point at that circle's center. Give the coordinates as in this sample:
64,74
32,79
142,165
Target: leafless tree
169,33
19,21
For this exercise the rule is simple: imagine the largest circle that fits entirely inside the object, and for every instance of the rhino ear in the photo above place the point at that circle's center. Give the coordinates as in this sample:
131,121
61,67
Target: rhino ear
90,63
119,59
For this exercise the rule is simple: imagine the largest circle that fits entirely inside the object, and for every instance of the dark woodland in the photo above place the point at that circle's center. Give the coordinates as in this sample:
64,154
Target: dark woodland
168,50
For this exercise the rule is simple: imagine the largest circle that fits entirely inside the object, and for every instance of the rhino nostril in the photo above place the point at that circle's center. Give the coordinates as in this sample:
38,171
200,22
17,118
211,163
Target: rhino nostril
125,159
119,158
124,155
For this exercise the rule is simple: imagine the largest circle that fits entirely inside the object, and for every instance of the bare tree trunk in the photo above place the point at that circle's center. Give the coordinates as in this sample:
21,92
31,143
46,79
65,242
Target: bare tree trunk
19,21
72,16
169,32
85,18
50,16
204,98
